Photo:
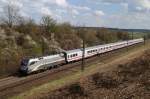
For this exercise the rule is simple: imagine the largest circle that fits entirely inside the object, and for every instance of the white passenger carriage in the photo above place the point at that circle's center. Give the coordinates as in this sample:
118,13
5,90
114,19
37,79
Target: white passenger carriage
74,55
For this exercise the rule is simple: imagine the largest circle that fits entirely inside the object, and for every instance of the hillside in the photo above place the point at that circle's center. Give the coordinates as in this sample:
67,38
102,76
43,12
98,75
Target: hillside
130,80
106,70
33,40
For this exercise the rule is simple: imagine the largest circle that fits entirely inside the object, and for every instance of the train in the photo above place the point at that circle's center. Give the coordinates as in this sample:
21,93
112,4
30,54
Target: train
33,65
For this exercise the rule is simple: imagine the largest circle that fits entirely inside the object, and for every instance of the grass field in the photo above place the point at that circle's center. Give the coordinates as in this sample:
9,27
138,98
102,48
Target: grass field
100,66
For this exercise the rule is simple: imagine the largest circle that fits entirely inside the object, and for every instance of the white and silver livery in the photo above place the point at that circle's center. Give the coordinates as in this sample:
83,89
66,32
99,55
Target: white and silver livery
47,62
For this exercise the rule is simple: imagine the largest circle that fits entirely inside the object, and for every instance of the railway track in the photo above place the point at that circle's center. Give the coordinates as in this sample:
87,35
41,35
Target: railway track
15,81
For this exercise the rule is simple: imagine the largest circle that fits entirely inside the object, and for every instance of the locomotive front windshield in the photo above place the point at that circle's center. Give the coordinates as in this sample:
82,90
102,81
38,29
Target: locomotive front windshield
24,62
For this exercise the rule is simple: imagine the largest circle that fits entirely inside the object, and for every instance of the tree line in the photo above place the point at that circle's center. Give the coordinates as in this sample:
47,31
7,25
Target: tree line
65,32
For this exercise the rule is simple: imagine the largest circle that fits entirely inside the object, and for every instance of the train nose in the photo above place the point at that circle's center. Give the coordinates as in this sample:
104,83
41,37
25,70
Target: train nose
24,70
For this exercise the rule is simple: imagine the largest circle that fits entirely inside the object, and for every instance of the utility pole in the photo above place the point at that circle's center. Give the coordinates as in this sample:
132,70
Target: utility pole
128,41
43,47
132,35
144,39
83,55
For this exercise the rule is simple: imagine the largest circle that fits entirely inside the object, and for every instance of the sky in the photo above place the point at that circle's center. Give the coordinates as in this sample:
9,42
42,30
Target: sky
127,14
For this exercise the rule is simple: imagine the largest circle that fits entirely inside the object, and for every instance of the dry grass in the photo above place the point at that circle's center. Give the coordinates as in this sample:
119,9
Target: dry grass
128,81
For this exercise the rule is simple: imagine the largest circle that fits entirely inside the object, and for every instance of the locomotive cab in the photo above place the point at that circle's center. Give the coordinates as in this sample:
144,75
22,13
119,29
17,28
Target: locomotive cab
24,66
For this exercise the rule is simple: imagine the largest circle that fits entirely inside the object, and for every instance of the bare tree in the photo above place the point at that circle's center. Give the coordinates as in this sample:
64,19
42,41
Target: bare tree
26,25
48,25
10,15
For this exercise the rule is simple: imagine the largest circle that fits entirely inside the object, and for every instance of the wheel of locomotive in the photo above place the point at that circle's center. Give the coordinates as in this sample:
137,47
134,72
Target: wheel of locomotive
50,68
55,66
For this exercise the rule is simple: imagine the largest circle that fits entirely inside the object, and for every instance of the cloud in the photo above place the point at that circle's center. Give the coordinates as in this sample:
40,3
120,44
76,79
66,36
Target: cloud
141,6
112,13
15,3
81,7
75,12
62,3
111,1
99,13
133,5
144,3
45,11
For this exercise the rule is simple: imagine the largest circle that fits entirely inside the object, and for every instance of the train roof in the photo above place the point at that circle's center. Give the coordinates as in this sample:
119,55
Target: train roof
43,57
73,51
93,47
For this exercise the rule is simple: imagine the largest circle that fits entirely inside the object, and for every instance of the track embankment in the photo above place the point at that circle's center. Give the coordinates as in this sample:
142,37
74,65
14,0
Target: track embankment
102,63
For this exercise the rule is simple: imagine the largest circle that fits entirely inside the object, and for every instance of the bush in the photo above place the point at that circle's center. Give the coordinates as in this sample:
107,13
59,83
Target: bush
10,61
136,68
76,89
103,81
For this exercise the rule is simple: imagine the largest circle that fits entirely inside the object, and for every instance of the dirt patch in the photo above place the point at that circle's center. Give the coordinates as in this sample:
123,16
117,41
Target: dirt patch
136,68
104,81
127,81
